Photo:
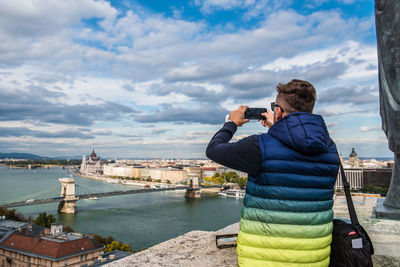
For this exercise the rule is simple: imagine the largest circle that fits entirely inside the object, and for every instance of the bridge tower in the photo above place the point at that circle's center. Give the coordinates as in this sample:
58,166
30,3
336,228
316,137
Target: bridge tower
68,203
194,190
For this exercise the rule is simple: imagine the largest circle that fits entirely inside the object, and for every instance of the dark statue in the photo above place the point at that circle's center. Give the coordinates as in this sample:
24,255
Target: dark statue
387,18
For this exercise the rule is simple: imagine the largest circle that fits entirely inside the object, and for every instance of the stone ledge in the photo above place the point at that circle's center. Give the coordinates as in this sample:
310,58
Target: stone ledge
197,248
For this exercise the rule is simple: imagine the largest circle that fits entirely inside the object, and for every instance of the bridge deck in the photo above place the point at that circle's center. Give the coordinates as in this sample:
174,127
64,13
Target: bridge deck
103,194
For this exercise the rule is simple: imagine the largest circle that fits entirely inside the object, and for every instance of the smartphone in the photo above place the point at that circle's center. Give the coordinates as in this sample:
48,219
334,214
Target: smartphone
254,113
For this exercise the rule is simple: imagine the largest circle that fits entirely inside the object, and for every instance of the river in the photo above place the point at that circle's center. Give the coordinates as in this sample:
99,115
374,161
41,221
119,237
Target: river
141,220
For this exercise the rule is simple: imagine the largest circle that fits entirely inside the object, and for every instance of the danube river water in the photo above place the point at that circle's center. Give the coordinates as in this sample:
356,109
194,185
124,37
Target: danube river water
142,220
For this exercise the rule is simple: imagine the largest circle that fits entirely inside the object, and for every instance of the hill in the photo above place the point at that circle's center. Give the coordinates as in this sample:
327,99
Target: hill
20,156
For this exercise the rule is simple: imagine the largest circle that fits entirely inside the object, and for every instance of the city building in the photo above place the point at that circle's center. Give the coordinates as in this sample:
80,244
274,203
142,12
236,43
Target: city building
209,171
107,258
378,177
353,160
360,177
30,245
93,165
164,174
354,177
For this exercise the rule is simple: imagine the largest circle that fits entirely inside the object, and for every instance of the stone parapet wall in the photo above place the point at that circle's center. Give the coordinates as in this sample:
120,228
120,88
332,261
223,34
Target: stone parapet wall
198,248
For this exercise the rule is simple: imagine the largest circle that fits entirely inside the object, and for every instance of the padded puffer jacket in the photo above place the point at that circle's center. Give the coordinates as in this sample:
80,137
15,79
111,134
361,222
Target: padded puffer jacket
287,214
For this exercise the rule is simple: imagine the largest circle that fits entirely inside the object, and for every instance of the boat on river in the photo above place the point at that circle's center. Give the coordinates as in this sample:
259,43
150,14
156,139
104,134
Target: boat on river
237,193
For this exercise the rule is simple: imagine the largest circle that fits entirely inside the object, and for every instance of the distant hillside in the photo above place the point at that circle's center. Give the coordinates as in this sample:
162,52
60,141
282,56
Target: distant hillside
20,156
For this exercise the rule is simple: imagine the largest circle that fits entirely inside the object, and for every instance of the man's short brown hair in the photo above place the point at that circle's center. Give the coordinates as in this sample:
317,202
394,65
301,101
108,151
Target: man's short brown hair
298,95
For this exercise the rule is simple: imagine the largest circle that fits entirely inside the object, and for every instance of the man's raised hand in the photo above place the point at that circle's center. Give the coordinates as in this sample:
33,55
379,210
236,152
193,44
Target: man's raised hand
237,115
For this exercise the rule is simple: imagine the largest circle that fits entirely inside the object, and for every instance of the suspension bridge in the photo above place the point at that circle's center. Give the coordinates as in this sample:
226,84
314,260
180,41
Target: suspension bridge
71,193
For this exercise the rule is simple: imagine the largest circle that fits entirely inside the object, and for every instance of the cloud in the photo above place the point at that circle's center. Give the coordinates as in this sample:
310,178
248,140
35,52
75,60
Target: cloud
158,131
202,71
207,6
251,8
357,95
102,132
83,63
204,115
50,78
371,128
23,131
33,106
41,17
332,124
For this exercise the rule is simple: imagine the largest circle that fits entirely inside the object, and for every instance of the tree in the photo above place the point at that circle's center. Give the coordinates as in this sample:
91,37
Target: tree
117,245
44,220
12,214
68,229
242,182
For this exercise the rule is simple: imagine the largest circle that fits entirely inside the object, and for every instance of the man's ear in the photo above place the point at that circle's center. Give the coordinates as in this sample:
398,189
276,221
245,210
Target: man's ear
279,114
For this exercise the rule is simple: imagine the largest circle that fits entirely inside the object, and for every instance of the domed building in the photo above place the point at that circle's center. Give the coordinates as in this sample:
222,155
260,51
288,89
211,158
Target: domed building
353,159
93,165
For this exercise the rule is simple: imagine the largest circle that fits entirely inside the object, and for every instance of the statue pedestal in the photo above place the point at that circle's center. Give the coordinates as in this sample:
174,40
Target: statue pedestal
384,212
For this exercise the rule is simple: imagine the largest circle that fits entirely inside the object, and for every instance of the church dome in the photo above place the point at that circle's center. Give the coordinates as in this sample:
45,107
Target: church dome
93,155
353,153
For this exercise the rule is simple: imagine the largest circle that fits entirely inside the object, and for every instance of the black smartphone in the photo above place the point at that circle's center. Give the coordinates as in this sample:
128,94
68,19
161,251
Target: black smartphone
254,113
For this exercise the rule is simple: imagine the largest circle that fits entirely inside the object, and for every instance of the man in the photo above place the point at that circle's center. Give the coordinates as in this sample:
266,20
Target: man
287,214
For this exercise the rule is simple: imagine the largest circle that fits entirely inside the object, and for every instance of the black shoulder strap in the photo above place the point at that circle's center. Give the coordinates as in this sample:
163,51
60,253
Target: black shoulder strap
350,206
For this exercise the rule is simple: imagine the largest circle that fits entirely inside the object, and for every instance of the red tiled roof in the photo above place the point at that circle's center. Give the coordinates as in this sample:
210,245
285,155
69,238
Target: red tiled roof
209,168
50,248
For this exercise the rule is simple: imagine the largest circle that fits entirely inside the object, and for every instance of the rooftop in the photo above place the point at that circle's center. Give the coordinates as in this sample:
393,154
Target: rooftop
49,248
7,227
29,239
109,257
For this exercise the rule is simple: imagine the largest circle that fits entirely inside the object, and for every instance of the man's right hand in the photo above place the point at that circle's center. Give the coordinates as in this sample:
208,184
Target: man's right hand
237,115
269,119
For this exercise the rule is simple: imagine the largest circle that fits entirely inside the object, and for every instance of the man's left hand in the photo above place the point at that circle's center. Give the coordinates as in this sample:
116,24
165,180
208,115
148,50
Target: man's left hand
237,115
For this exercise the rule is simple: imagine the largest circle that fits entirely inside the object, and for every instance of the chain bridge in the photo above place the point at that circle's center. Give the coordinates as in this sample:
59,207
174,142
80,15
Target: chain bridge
71,193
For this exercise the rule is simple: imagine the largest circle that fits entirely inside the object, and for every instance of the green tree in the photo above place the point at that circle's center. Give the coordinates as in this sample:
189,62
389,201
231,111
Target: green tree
117,245
12,214
44,220
68,229
242,182
230,177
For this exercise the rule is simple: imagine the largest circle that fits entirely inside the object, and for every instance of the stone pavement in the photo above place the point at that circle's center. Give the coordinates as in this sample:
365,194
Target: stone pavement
197,248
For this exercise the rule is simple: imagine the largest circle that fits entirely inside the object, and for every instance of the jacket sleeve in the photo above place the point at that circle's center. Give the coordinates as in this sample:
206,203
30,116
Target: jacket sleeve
243,155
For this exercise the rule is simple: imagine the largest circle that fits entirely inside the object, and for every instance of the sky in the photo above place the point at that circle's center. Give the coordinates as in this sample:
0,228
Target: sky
155,79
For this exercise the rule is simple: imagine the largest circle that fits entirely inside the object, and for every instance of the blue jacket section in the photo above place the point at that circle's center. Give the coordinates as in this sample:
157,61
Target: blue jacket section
299,160
293,190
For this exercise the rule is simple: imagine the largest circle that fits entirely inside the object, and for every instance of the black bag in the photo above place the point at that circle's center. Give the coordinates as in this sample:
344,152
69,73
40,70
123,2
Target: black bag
351,245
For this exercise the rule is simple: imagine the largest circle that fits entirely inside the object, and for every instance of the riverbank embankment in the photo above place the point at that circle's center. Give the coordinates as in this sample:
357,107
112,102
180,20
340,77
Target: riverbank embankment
128,182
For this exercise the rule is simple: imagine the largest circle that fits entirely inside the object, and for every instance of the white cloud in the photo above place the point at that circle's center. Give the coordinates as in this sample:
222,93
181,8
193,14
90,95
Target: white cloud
358,57
208,6
41,17
154,64
370,128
